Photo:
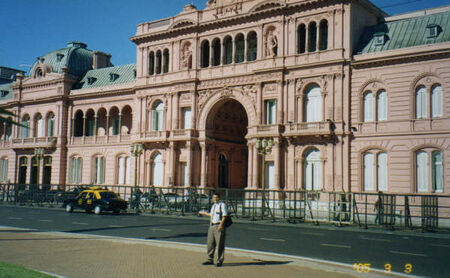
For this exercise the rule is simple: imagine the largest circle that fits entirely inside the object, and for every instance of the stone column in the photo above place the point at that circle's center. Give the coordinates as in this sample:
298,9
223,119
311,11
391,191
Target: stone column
222,53
277,162
211,54
255,167
107,127
95,128
291,167
120,126
204,167
233,53
175,111
250,165
194,111
280,104
84,128
245,49
259,103
188,164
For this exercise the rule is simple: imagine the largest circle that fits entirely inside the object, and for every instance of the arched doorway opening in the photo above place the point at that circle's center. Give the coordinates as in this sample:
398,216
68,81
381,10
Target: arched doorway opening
226,127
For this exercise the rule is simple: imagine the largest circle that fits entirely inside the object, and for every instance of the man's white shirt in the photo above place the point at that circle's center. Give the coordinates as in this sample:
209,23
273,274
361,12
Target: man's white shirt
216,210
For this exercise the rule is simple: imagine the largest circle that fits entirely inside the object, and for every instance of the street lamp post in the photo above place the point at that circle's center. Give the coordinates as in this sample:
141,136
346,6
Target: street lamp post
264,147
39,154
136,151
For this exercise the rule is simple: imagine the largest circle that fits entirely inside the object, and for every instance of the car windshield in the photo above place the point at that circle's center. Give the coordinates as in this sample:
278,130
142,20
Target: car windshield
108,195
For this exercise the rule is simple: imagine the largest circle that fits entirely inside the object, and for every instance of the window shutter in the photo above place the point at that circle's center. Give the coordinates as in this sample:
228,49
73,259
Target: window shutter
79,168
438,174
50,127
422,176
128,171
382,106
102,170
121,170
368,172
436,99
187,118
273,112
368,107
71,167
382,172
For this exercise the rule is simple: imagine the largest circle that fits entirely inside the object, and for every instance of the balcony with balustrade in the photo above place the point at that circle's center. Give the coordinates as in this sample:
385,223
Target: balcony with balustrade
309,129
31,142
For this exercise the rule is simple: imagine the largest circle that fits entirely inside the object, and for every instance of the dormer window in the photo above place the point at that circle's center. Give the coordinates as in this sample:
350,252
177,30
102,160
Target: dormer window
113,77
4,93
432,30
39,73
59,57
91,80
380,38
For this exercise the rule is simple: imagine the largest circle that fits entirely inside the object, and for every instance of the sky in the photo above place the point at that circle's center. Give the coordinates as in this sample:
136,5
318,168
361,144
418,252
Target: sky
32,28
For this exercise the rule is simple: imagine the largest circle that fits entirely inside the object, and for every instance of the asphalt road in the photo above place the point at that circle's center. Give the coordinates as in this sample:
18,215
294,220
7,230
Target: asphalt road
427,255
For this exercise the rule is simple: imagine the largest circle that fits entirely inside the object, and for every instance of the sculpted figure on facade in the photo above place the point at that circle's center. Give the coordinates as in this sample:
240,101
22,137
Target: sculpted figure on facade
271,42
186,56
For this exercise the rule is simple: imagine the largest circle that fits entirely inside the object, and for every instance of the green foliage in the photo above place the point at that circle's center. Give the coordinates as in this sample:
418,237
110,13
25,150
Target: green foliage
13,271
5,117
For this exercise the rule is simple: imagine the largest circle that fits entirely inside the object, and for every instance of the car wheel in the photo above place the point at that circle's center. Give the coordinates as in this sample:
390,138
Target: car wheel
69,208
98,210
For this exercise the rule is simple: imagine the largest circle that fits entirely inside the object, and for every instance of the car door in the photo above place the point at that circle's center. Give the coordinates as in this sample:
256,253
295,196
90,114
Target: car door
81,199
89,201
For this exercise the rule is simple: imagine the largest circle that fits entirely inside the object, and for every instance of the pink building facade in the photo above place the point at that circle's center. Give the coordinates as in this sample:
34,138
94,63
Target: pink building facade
352,100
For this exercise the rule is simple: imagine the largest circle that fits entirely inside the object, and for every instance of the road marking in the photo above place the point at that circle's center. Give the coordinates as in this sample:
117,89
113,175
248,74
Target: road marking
15,218
80,223
407,253
257,229
162,230
45,220
441,245
115,226
336,245
272,239
312,234
376,239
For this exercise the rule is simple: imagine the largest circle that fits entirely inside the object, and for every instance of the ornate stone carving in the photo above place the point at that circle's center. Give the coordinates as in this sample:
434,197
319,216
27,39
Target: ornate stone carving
271,87
271,42
186,56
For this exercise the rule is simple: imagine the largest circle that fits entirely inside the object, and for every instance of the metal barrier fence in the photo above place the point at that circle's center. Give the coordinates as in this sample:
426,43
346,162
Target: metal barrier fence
426,212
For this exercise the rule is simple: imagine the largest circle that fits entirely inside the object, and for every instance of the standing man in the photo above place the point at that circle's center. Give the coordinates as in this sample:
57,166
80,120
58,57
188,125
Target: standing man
216,231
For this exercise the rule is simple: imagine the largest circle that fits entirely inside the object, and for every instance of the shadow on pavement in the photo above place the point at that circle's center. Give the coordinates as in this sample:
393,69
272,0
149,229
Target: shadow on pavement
180,236
257,262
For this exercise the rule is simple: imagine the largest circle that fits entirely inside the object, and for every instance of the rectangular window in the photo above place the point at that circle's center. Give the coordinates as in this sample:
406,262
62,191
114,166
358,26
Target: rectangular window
187,118
437,172
382,106
421,103
271,110
75,169
436,102
50,127
368,107
270,175
382,172
24,129
121,170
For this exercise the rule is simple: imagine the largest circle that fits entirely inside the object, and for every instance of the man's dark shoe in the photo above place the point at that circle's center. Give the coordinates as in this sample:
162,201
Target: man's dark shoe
219,264
208,263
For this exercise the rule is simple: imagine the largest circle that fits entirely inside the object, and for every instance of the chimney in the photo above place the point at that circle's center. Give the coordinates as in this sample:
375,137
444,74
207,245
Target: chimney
101,60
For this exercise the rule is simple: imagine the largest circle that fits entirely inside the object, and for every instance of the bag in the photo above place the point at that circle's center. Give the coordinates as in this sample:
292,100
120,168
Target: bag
228,221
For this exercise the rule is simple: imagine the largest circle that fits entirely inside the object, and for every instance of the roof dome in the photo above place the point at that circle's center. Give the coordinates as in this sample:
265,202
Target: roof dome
76,57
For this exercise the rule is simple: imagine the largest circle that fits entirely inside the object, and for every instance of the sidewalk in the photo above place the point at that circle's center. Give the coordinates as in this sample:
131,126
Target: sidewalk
75,255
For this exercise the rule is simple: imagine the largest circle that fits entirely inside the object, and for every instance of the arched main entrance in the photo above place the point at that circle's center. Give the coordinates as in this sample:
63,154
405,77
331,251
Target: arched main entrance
226,127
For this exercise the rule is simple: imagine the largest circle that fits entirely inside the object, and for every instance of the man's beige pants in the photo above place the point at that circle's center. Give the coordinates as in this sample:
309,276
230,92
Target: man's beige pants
216,238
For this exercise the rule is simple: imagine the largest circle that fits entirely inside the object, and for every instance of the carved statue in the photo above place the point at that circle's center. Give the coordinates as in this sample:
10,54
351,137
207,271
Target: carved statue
186,56
271,44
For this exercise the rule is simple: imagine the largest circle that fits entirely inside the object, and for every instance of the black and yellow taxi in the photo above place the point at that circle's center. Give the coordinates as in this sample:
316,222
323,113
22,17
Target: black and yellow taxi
96,199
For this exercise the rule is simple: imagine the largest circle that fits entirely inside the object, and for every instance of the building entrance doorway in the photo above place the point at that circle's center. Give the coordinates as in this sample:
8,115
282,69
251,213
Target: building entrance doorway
227,158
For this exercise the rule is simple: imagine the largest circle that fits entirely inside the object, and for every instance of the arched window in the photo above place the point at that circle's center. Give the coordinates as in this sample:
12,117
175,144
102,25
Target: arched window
323,35
436,101
368,107
50,125
158,62
368,172
301,39
8,129
240,48
216,51
166,61
124,170
90,123
421,102
151,63
157,170
99,170
313,104
75,170
382,106
38,126
158,116
228,48
252,46
312,37
24,129
422,171
205,54
78,124
313,170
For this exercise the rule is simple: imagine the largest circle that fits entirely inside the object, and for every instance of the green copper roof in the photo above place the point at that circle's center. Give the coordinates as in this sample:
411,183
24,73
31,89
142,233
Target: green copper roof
75,56
405,33
108,76
6,91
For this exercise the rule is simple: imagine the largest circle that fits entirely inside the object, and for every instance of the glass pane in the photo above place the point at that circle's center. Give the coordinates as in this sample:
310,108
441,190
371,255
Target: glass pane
368,107
436,99
421,173
382,172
